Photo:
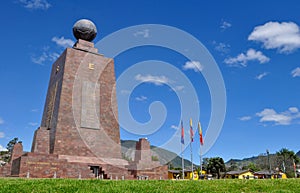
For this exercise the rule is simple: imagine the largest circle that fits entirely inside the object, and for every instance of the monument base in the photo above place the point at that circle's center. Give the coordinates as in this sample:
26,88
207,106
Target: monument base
42,165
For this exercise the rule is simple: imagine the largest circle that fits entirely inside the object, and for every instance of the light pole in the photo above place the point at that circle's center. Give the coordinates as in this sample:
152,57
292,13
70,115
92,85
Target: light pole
268,154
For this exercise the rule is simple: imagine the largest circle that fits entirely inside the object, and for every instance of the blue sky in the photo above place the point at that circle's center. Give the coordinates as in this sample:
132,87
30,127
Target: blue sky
255,45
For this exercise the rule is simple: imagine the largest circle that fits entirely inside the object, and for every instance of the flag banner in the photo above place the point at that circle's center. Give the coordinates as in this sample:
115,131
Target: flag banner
200,133
191,130
182,133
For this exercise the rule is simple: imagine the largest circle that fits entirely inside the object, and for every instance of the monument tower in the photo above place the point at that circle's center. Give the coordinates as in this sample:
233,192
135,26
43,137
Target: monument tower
80,113
79,134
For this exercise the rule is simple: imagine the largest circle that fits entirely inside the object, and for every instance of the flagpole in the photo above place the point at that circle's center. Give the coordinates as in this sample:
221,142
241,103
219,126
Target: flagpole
295,171
200,160
182,147
182,161
192,139
201,143
192,160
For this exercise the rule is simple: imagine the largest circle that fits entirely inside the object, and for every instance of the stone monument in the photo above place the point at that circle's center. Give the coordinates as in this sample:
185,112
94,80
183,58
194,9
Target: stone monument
79,136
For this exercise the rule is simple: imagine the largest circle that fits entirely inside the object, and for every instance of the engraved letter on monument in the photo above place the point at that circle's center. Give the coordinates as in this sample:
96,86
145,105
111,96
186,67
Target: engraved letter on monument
50,106
90,105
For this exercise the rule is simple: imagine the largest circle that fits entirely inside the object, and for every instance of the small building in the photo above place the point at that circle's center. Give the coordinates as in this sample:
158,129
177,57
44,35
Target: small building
188,175
265,174
174,174
243,174
280,175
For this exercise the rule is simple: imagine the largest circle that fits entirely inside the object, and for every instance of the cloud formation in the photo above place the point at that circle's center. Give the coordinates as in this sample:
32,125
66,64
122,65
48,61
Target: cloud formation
2,135
1,121
222,47
251,55
141,98
224,25
262,75
33,124
285,36
35,4
157,80
125,92
62,42
44,57
296,72
144,33
193,65
245,118
2,148
174,127
178,88
283,118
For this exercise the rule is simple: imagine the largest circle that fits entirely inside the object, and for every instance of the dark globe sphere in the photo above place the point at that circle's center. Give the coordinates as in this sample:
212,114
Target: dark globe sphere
85,29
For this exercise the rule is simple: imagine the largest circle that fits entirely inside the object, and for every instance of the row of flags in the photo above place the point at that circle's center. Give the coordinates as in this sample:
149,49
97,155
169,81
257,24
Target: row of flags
192,139
192,132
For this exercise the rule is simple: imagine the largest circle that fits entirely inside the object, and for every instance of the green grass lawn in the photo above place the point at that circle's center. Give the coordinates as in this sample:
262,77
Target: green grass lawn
69,185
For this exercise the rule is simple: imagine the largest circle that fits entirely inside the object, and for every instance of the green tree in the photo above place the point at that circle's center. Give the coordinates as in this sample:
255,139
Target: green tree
205,163
10,147
252,167
11,144
215,166
287,158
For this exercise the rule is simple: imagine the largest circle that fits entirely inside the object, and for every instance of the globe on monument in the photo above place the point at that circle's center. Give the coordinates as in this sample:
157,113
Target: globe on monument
84,29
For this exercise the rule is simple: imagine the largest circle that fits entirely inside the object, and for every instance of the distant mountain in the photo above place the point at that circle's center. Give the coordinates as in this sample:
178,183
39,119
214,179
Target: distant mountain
261,161
164,156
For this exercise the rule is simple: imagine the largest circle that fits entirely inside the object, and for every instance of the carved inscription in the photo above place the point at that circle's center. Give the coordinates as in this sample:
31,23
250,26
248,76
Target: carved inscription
91,66
90,105
50,105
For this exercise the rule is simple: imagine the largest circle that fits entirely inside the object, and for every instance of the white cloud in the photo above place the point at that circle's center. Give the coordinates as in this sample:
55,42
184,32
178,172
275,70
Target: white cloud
33,124
40,59
285,36
144,33
293,110
157,80
178,88
1,121
2,135
260,76
251,55
2,148
283,118
63,42
245,118
222,47
125,92
224,25
193,65
174,127
34,110
270,115
296,72
141,98
44,57
35,4
53,56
